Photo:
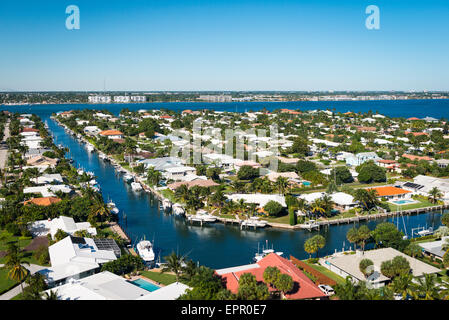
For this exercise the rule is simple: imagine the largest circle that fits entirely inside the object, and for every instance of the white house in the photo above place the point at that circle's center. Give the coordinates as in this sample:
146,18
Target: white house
360,158
74,257
66,224
101,286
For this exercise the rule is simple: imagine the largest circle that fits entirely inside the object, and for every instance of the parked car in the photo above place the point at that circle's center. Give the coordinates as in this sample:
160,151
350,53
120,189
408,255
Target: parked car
328,290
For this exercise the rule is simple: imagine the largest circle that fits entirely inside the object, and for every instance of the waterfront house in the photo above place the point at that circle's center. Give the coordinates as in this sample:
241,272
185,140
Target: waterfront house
171,292
435,249
391,193
348,265
101,286
423,184
91,130
66,224
160,164
260,199
76,258
303,287
178,172
342,200
49,179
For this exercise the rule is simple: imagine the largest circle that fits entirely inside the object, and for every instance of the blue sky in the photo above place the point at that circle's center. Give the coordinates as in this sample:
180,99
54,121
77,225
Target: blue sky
224,45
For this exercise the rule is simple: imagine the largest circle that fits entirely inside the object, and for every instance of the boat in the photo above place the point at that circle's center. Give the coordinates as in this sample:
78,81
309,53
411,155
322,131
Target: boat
311,224
128,178
254,222
136,186
425,232
166,204
90,148
102,156
111,205
202,216
260,255
178,210
145,251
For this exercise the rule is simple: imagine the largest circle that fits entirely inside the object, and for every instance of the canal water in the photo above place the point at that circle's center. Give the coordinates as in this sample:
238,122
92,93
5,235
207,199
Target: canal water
216,245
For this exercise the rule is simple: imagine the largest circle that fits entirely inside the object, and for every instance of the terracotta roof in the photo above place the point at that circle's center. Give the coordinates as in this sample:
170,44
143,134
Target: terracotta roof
416,134
413,157
303,287
413,118
29,130
46,201
386,161
111,133
389,191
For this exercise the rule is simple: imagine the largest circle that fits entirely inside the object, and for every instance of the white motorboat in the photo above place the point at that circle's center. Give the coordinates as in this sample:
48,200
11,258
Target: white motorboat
145,251
254,222
111,205
178,210
90,148
128,178
202,216
311,224
102,156
166,204
136,186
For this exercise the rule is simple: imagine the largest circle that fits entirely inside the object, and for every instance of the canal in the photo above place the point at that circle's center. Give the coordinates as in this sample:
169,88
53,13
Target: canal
215,245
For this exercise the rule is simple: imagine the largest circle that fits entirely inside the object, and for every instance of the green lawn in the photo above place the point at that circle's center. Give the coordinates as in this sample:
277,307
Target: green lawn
164,278
5,283
23,242
326,272
167,193
283,219
423,202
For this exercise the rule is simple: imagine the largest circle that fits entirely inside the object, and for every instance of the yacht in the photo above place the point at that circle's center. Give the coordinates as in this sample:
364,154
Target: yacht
128,178
90,148
202,216
102,156
111,205
145,251
311,224
166,204
254,222
136,186
178,210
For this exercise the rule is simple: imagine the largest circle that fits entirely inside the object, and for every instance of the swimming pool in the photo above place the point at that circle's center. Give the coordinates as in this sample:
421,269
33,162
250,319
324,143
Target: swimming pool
145,285
403,201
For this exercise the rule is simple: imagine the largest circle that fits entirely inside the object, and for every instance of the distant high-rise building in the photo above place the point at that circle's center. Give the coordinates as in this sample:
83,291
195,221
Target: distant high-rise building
99,99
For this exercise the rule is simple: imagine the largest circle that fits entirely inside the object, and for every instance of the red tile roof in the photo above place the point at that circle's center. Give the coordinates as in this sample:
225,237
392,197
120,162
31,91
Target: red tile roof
413,157
303,288
111,133
389,191
46,201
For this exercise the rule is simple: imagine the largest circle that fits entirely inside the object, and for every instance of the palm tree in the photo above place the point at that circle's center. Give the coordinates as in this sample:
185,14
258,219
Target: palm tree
182,193
282,184
14,262
153,176
327,203
317,207
174,264
435,195
403,285
52,295
426,288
